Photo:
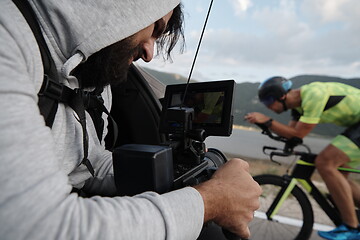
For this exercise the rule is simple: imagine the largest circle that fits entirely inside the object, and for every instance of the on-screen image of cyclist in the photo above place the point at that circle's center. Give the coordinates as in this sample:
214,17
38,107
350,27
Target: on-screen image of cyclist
208,106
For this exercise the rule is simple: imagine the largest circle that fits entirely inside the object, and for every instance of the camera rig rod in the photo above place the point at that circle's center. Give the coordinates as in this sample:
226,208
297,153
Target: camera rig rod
197,50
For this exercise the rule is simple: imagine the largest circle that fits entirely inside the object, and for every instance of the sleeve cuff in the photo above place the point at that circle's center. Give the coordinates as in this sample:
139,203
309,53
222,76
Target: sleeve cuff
309,120
182,211
188,208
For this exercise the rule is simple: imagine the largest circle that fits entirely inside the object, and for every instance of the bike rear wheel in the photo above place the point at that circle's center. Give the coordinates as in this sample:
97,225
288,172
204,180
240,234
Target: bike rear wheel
294,219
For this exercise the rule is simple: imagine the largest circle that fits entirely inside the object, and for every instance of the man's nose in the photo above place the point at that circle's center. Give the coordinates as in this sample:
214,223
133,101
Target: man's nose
148,50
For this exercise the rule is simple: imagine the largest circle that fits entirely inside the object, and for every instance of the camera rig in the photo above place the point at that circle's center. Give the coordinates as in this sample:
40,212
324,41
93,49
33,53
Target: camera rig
190,113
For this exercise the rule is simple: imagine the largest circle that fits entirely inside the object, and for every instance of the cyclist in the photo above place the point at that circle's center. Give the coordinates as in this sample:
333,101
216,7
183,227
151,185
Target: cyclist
314,103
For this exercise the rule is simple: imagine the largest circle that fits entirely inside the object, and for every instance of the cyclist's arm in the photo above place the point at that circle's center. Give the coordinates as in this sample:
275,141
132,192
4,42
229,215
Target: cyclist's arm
294,129
292,123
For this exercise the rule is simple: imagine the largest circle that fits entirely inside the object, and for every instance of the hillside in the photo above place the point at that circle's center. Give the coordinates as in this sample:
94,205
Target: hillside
246,99
167,78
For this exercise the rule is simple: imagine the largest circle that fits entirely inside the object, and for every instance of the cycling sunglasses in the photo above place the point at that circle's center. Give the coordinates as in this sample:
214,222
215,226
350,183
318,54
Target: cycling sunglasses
268,100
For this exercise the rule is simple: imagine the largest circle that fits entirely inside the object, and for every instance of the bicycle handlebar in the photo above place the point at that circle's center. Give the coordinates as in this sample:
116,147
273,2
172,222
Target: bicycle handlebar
290,144
266,131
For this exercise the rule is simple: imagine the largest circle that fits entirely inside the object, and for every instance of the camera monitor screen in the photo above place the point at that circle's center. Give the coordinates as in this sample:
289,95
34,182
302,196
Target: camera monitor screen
211,101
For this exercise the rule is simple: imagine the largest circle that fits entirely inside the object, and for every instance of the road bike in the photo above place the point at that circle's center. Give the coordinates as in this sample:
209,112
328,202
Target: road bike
285,209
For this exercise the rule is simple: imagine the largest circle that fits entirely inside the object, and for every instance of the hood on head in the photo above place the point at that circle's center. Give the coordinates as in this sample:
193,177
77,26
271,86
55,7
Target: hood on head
86,26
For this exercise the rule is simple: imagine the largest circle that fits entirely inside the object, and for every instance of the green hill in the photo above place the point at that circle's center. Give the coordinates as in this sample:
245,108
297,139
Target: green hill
167,78
246,99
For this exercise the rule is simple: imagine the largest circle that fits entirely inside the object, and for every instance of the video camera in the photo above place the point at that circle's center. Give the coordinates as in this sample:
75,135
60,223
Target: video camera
191,112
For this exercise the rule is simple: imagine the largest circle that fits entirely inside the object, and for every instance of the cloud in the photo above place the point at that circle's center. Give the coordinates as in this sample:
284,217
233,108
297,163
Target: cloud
330,11
241,6
199,8
287,37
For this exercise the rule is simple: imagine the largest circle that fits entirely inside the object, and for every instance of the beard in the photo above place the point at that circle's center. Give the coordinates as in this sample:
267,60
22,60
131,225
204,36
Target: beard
110,65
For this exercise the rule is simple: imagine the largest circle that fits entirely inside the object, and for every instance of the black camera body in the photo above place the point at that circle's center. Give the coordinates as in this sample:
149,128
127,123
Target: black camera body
191,112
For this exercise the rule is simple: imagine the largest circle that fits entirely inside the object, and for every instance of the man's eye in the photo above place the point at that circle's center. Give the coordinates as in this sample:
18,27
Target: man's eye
159,28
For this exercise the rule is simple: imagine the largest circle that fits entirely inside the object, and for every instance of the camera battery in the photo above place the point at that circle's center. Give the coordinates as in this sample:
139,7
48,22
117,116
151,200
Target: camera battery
139,168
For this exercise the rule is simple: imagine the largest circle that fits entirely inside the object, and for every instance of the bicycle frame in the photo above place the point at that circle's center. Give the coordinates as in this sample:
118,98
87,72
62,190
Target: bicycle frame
284,200
301,174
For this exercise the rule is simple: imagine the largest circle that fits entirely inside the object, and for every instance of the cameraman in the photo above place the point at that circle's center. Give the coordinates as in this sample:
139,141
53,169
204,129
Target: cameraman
92,44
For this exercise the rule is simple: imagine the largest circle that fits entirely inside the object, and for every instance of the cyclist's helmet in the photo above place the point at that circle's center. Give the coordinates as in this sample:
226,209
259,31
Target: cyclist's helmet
273,89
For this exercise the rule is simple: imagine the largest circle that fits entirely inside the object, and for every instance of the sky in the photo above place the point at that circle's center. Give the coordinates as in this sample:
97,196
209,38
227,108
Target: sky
252,40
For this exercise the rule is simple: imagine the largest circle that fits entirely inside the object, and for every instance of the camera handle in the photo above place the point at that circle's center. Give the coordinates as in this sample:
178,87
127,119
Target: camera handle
197,134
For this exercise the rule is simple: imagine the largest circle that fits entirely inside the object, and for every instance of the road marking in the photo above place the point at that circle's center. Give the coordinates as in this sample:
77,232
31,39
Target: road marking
293,222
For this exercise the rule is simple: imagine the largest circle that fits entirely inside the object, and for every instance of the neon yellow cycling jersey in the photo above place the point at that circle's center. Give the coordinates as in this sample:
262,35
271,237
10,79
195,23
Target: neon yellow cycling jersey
314,97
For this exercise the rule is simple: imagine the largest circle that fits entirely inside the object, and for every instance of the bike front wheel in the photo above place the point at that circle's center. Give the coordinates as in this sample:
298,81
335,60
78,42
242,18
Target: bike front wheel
293,220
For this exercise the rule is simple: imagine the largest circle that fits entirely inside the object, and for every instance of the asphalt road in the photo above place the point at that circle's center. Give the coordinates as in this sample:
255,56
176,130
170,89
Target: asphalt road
249,143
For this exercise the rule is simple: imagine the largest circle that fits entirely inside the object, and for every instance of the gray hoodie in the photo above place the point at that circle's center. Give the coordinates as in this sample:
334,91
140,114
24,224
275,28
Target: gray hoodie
39,165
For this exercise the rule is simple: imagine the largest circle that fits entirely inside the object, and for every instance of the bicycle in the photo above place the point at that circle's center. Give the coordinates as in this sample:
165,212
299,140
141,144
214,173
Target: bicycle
285,209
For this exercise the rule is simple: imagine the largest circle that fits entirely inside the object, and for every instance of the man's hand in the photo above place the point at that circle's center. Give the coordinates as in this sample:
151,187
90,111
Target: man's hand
256,117
231,196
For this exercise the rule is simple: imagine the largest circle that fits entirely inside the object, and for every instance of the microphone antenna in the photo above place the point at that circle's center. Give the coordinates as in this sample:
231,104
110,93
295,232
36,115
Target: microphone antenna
196,53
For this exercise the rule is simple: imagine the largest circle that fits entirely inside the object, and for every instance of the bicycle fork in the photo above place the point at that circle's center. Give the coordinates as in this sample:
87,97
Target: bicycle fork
280,198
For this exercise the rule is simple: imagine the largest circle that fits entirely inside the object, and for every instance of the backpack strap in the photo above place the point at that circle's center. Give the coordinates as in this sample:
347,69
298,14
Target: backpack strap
52,91
94,105
77,104
48,106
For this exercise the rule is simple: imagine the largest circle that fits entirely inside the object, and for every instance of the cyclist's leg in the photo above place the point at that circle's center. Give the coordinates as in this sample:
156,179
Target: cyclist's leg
356,192
355,188
349,143
327,163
